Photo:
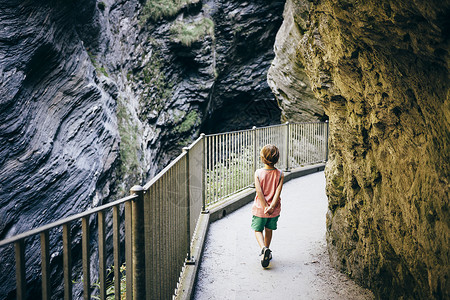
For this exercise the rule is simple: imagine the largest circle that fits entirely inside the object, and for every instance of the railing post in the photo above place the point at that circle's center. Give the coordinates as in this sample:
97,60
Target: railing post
327,137
138,243
203,180
20,269
129,249
45,265
67,261
190,260
255,151
286,147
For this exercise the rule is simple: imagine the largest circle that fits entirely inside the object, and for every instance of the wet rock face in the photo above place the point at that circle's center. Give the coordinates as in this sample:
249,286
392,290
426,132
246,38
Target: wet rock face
380,70
100,95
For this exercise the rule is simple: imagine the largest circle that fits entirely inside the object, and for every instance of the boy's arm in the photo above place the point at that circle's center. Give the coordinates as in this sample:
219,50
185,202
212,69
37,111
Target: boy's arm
276,197
259,192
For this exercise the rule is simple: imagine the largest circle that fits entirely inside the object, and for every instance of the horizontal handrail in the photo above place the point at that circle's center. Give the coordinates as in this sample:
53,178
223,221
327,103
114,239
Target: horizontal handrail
163,171
65,220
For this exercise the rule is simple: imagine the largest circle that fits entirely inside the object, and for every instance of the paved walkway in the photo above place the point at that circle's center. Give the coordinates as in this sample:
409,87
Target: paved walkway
231,269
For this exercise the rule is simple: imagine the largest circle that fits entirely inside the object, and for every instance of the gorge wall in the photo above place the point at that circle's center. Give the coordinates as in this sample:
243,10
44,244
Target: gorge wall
380,70
99,95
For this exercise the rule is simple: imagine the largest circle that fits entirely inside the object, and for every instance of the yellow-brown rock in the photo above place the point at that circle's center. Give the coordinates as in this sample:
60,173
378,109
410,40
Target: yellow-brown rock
380,70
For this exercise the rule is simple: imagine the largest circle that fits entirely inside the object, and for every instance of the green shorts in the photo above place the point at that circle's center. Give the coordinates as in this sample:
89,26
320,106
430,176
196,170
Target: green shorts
259,223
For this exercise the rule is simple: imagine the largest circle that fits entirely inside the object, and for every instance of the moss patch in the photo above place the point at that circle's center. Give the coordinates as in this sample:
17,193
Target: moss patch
188,33
158,88
188,123
159,9
129,147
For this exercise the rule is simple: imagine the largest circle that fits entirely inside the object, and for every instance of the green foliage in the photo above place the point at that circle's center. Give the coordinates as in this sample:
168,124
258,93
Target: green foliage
100,69
129,148
158,88
229,175
188,33
159,9
188,123
110,288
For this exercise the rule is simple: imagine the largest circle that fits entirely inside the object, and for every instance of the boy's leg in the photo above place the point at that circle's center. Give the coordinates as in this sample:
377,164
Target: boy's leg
267,237
260,238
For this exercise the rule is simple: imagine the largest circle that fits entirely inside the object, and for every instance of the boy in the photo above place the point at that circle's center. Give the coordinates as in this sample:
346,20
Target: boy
267,206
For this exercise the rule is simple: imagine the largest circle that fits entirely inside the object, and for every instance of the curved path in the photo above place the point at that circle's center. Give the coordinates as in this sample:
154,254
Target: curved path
231,269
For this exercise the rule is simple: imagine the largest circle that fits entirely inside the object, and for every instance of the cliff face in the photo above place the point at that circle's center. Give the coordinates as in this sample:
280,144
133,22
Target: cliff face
287,77
380,70
99,95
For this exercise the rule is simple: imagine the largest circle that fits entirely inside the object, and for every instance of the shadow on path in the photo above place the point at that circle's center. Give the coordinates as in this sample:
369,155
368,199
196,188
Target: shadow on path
300,269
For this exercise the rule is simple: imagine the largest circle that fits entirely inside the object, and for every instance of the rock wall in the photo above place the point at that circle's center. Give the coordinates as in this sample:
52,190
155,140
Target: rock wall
287,77
100,95
380,70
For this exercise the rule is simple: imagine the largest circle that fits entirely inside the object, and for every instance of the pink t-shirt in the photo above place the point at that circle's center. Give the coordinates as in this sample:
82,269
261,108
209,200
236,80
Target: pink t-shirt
269,180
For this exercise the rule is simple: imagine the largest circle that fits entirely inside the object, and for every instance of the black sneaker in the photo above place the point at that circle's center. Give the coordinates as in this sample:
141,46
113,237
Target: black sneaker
267,256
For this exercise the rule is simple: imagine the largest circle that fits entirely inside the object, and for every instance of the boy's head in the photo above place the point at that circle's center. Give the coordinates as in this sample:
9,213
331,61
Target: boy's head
270,154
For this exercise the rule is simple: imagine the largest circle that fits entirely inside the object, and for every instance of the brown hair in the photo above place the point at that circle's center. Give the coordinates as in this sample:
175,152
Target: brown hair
270,154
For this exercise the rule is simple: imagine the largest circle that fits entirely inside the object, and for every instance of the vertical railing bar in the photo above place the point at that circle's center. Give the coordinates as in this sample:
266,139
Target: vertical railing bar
157,280
255,161
310,143
239,155
128,250
188,207
299,143
155,241
228,164
102,254
67,262
241,159
167,240
209,168
45,265
219,169
164,236
86,256
304,144
202,180
316,148
171,264
211,177
116,252
307,142
313,136
225,166
20,269
235,183
173,232
255,154
222,161
216,183
207,172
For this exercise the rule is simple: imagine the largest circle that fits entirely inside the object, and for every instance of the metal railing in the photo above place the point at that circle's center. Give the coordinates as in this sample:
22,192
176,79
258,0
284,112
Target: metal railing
233,157
159,218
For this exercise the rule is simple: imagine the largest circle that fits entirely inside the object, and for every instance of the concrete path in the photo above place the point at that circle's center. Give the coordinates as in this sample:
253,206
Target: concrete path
231,269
